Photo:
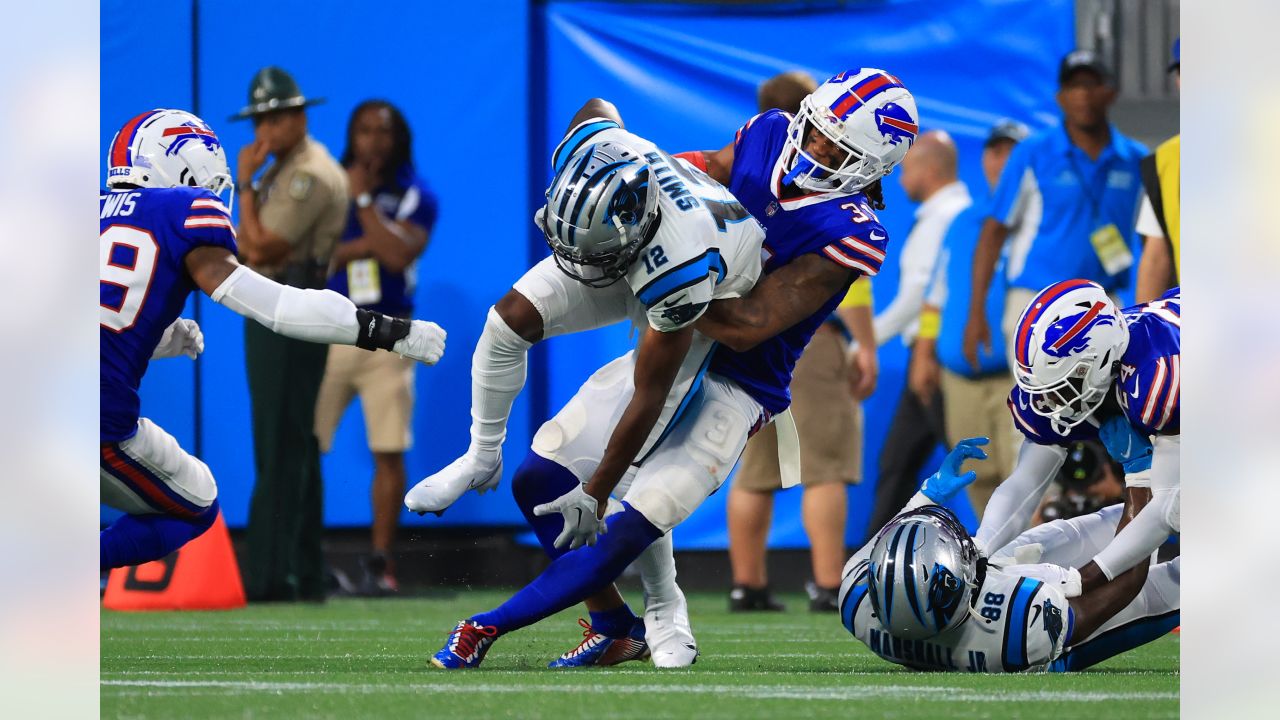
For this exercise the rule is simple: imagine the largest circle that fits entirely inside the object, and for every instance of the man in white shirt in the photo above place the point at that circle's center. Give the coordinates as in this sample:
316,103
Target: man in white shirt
929,178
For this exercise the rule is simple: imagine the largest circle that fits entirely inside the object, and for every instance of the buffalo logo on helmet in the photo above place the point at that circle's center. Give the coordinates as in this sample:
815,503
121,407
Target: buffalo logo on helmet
188,131
1070,335
896,123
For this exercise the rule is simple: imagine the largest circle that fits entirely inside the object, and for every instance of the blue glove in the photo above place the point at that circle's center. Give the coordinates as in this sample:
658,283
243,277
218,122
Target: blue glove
944,484
1126,445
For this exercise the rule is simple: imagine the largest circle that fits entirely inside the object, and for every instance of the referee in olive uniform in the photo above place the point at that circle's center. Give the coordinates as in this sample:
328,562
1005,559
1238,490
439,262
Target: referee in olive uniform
289,223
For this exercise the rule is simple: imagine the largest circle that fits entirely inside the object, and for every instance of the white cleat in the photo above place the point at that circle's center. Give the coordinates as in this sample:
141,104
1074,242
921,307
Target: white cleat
437,492
667,631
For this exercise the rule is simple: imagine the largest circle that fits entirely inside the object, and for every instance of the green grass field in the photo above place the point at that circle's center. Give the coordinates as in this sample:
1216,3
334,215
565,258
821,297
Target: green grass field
356,659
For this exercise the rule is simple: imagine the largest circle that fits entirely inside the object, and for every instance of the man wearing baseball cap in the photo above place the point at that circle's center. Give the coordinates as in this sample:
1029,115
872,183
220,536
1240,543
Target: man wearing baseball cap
290,220
1064,205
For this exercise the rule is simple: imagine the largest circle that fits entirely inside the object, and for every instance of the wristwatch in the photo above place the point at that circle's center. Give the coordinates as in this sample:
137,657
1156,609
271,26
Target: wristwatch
364,200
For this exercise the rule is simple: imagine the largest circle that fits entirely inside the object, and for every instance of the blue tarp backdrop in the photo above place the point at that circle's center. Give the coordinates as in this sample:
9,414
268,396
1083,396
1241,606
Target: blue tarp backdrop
487,90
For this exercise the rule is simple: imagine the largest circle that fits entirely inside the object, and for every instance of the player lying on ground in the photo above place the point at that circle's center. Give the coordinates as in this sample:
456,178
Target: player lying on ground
826,161
164,233
921,595
1089,370
618,208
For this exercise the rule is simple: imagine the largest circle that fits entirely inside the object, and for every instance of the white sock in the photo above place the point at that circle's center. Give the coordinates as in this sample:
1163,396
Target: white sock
497,376
658,570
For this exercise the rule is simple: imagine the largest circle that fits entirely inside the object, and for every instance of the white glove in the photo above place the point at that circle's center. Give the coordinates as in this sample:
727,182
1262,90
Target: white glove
183,337
1070,583
424,343
580,522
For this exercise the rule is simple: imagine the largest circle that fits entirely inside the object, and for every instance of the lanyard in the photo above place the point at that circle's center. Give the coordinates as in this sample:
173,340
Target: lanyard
1095,204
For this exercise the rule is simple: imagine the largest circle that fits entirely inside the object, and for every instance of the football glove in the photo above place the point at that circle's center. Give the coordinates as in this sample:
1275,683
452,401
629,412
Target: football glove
943,485
424,343
581,524
183,337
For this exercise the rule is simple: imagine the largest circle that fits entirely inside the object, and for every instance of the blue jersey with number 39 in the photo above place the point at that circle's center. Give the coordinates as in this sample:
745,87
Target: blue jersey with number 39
145,235
838,226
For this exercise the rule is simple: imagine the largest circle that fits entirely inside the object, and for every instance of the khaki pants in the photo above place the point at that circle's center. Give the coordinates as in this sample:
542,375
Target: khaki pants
384,382
829,422
976,407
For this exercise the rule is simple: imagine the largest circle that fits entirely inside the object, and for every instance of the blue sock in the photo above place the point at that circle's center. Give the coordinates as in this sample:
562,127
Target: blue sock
614,623
537,481
136,539
576,575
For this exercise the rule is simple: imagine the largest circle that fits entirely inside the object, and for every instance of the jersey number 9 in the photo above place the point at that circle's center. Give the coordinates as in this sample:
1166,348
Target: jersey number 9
127,262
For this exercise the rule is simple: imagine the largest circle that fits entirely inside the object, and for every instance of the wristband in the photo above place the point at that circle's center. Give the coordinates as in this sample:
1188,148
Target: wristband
379,332
930,324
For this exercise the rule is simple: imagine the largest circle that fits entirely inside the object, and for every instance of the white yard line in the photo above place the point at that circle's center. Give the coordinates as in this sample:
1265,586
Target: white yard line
782,692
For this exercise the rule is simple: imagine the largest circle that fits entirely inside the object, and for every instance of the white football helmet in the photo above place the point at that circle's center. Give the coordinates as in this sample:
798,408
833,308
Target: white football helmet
867,113
1068,347
922,574
600,211
168,148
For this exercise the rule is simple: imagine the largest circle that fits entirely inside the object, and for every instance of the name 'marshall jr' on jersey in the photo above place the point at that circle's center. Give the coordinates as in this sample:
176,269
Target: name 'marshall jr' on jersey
839,227
1022,623
1148,391
706,247
145,235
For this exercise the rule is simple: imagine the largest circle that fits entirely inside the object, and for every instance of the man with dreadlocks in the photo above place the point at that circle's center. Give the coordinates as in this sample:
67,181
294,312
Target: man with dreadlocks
388,224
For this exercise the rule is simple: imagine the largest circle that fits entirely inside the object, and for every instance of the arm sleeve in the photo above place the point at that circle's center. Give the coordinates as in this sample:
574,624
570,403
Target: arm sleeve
1010,509
1153,524
319,316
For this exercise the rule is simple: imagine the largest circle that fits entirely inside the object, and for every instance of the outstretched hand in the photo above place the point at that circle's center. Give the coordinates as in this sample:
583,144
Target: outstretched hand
943,485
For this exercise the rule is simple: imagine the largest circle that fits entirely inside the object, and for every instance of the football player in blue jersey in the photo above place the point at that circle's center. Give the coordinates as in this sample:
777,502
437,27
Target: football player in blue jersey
1087,369
920,594
164,233
803,178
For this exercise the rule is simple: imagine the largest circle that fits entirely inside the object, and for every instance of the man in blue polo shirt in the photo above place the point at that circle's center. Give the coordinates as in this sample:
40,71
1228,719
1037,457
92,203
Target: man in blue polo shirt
973,400
1066,204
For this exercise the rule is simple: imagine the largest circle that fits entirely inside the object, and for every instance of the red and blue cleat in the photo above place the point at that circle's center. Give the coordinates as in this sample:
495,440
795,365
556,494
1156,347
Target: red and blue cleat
598,650
466,646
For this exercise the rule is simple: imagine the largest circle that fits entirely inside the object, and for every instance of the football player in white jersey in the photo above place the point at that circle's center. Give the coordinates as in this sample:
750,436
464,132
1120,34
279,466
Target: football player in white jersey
639,235
921,595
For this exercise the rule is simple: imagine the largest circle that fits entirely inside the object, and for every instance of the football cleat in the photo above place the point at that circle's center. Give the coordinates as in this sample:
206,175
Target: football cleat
437,492
666,622
602,651
466,646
